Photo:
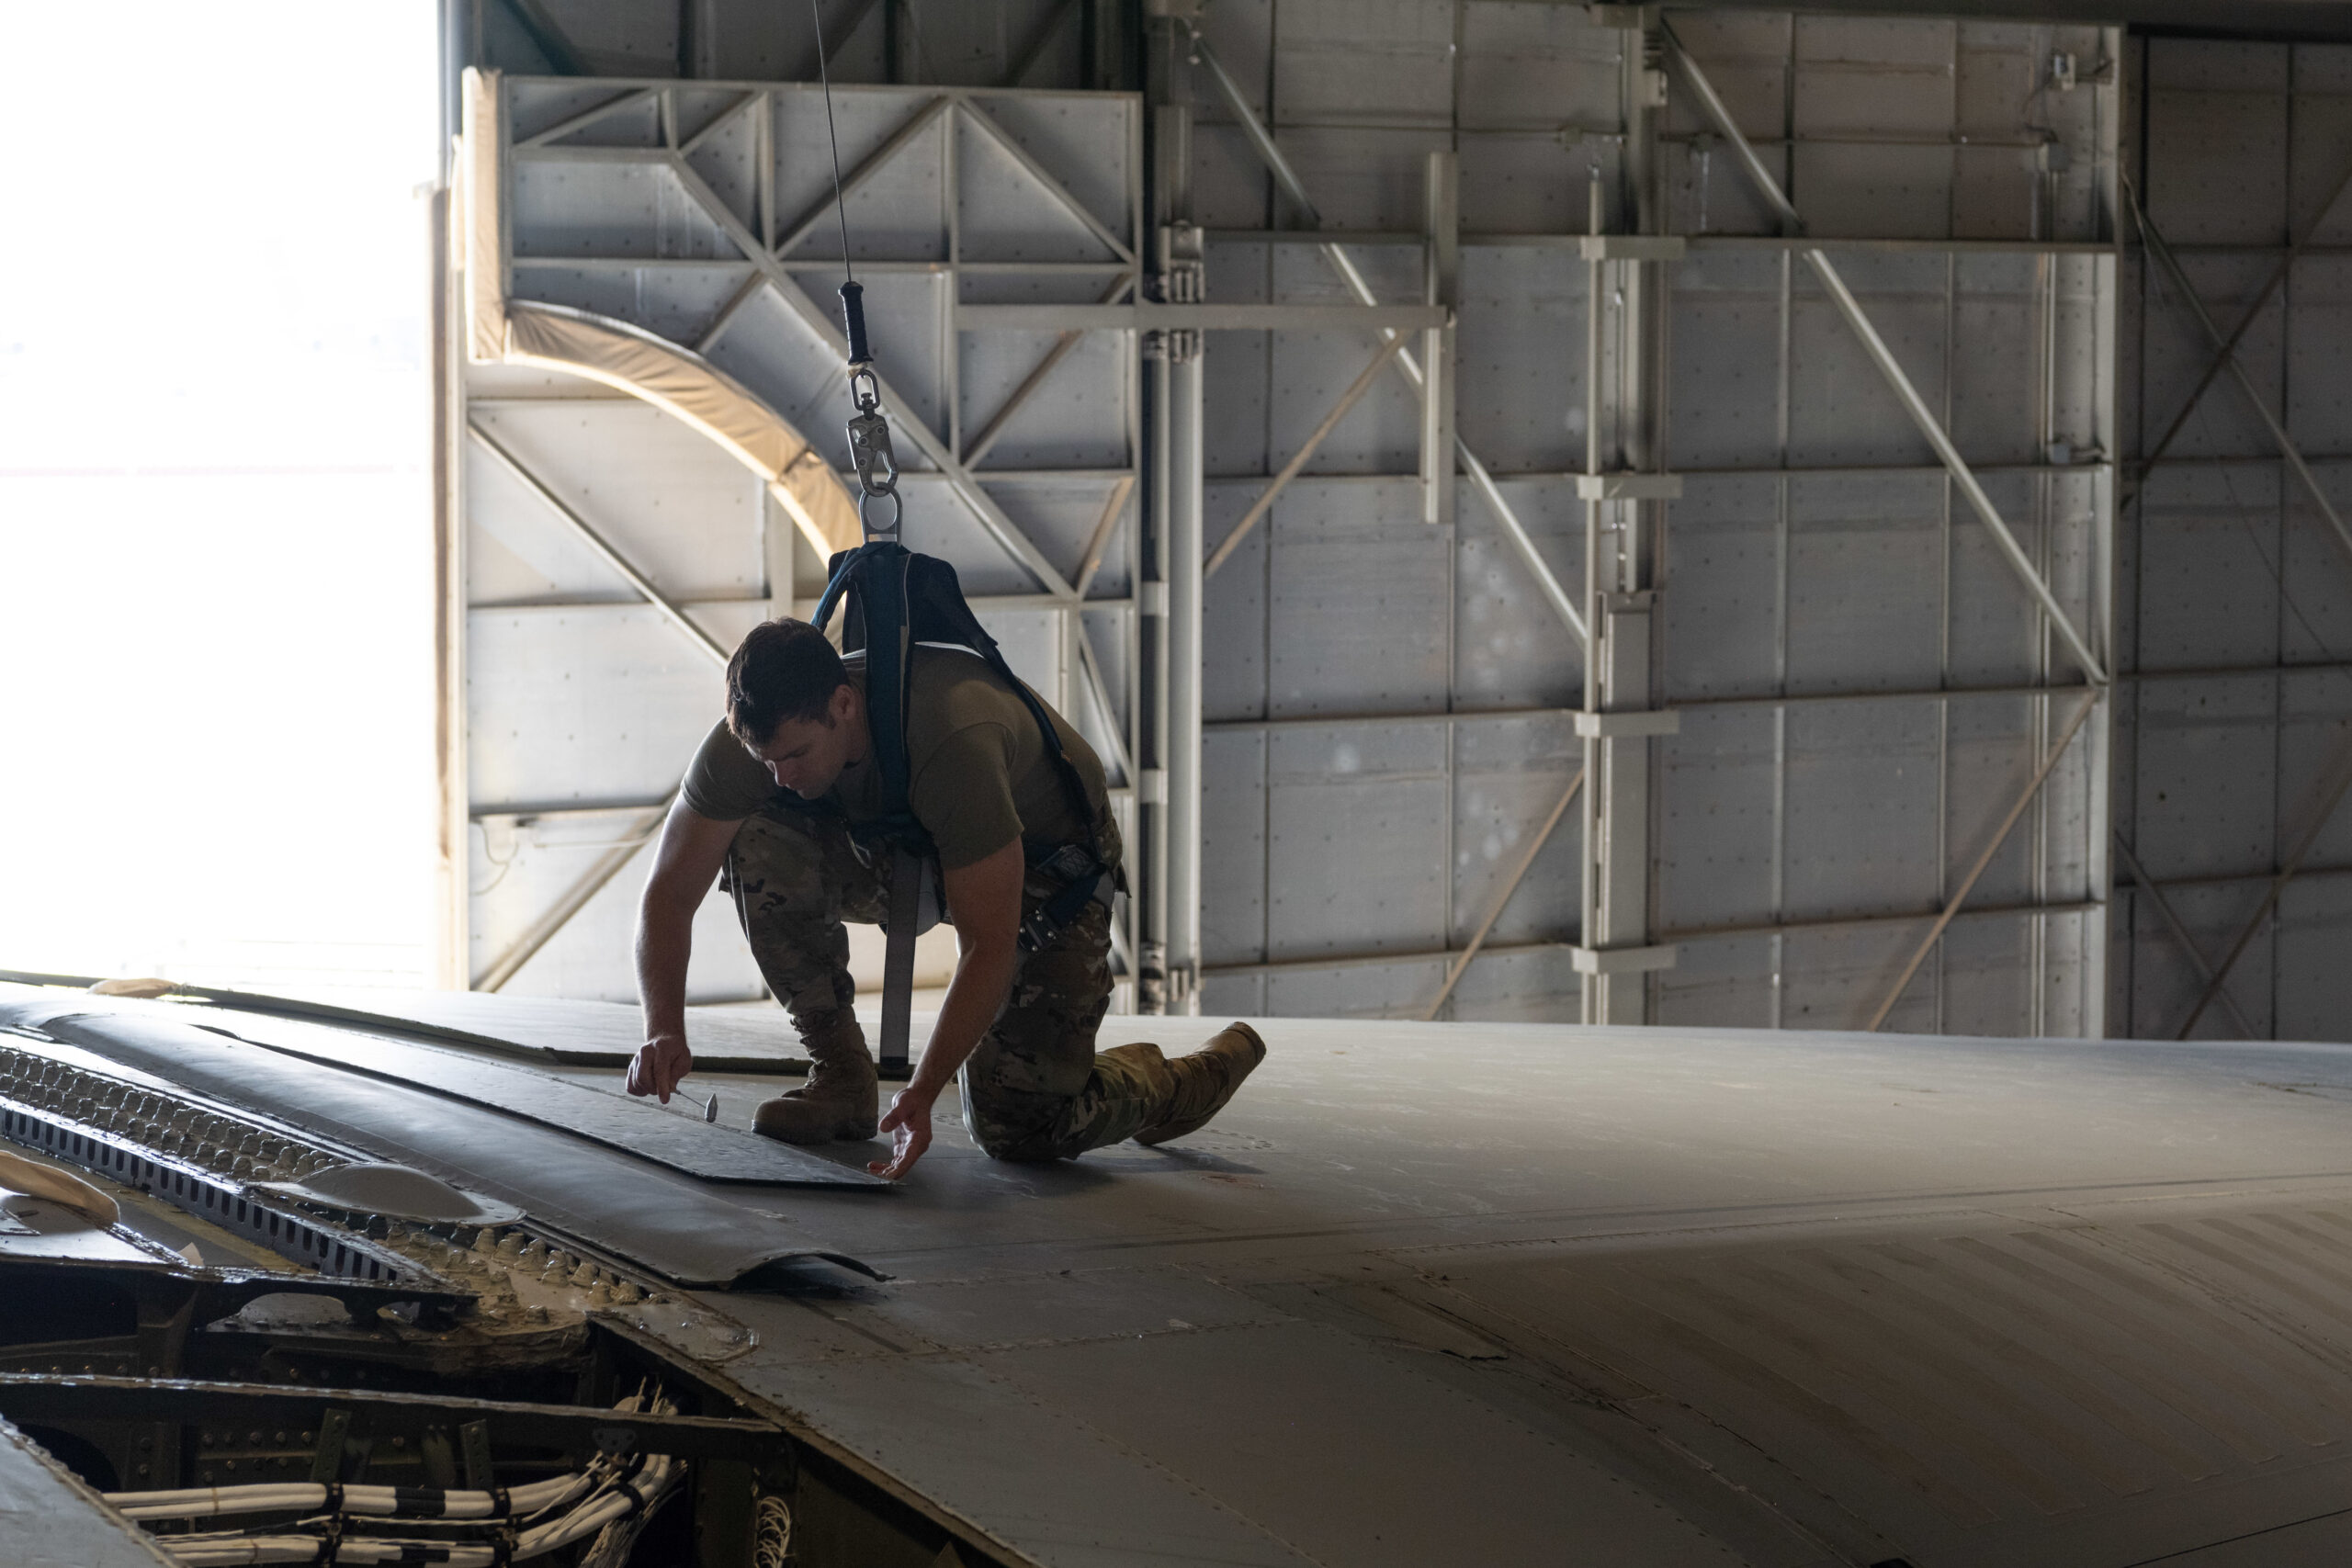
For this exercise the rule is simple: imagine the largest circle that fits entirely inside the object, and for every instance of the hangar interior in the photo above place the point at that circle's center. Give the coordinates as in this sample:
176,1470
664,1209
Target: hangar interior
1612,554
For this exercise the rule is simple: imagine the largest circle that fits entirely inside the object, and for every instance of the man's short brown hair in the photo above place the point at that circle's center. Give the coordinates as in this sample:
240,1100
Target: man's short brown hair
784,670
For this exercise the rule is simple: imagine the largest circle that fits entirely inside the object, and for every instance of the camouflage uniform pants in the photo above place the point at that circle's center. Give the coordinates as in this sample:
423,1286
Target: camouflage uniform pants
1035,1088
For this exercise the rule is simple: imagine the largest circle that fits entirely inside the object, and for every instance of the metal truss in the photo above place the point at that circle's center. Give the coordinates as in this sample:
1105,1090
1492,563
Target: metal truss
1718,117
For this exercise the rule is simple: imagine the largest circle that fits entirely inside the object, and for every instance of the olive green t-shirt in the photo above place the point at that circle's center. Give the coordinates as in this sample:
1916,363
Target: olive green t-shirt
977,774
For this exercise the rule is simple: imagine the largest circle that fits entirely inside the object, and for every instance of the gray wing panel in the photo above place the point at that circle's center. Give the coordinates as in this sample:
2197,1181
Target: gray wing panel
672,1226
637,1126
49,1519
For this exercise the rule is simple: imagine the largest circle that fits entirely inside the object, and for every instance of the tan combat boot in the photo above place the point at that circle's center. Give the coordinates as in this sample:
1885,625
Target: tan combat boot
842,1096
1205,1080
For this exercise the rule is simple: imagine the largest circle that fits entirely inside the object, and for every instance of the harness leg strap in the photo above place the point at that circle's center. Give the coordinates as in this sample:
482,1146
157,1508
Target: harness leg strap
899,960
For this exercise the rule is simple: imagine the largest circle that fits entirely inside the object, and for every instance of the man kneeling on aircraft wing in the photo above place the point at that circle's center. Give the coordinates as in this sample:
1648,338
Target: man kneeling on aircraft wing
770,801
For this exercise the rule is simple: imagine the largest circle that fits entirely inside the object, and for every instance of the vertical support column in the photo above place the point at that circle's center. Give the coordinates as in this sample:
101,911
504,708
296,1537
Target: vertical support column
1182,271
1441,273
1621,487
1167,817
453,853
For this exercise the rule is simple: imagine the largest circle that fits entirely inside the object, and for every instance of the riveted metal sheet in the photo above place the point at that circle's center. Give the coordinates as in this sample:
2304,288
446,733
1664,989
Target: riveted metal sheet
2315,985
1723,571
1336,62
519,864
1508,774
1996,343
1726,360
1862,76
540,105
1233,613
1523,66
675,507
2207,782
727,160
576,208
1519,356
1529,181
2217,112
1841,410
1082,139
1722,983
2319,382
1357,612
1994,629
771,349
1400,990
2174,353
1510,646
676,301
1350,863
1233,846
1865,581
1718,788
581,698
900,212
1005,213
1863,795
1077,418
1992,746
2208,540
1363,176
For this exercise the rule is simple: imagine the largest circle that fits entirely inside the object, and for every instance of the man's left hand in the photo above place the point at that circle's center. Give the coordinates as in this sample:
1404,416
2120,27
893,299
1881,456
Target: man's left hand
909,1123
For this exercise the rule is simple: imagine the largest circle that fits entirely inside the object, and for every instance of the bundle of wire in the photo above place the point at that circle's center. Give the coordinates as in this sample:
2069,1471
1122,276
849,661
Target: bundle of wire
538,1519
616,1498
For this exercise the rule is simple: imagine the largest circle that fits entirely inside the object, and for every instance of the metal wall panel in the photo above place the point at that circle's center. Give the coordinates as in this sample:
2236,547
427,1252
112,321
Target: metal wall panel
1510,650
1508,776
700,212
2233,572
1357,612
1351,865
1833,558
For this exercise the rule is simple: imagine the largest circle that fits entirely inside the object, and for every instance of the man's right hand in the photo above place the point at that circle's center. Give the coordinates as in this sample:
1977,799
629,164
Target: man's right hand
659,1065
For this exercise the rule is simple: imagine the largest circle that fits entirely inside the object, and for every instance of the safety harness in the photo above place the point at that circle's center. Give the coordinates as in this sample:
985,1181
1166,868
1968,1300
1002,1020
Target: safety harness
891,600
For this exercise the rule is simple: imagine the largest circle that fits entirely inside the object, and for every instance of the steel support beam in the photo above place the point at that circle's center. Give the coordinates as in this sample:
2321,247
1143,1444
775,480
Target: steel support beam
976,450
1440,279
1718,117
993,519
586,534
1391,347
822,210
1616,948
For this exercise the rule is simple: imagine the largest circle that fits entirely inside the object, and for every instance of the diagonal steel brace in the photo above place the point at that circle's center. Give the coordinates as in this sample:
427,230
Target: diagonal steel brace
1711,106
2226,348
1262,140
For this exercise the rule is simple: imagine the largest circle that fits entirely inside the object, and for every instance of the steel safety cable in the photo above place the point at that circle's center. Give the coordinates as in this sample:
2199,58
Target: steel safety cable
869,432
824,76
